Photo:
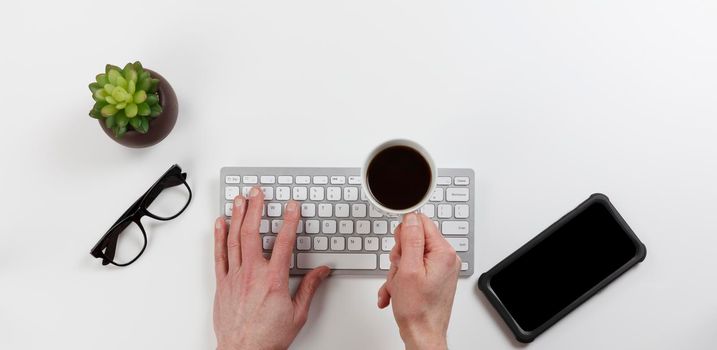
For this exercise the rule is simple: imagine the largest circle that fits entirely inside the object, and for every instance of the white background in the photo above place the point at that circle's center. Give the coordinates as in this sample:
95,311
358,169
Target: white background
549,101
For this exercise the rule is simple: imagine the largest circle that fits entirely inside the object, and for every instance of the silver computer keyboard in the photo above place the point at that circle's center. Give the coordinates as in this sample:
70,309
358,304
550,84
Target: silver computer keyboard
338,227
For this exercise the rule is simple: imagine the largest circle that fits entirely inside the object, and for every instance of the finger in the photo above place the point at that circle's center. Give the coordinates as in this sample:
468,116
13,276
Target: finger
306,290
249,236
412,243
434,238
233,242
220,248
384,298
284,244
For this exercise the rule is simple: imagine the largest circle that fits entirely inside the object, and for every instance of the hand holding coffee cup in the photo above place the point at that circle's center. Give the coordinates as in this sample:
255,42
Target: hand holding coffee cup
398,177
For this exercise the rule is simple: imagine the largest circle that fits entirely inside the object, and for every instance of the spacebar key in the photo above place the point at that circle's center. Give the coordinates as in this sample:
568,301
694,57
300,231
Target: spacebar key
337,261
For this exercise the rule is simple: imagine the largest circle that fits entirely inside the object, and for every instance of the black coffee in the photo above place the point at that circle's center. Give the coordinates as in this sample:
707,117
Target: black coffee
399,177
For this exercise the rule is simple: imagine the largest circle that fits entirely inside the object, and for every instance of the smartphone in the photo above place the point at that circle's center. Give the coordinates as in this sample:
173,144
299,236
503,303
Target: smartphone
562,267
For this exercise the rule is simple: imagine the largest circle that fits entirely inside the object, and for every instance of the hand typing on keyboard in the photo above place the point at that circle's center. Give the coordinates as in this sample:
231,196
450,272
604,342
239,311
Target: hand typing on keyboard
421,283
253,308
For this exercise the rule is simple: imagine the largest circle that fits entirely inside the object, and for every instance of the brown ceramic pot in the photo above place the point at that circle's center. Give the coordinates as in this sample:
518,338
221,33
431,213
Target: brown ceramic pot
160,126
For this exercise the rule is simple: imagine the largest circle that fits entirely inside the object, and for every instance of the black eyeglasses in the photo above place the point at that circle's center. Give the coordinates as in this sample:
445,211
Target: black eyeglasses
163,201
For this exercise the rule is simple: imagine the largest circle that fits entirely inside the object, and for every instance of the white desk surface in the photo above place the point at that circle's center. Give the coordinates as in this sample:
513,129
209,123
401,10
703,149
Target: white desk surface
549,101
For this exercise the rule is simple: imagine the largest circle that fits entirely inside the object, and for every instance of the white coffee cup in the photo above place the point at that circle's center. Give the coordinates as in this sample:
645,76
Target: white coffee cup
367,190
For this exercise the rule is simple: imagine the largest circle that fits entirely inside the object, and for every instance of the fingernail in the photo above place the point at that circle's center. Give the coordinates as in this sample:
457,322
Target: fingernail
254,192
292,207
238,202
410,219
325,273
218,224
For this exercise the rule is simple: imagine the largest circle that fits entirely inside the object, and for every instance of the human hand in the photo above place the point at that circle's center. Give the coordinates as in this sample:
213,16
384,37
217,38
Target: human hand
253,308
421,283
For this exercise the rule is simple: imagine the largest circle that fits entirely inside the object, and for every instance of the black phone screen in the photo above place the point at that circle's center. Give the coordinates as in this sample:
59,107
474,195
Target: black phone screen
579,253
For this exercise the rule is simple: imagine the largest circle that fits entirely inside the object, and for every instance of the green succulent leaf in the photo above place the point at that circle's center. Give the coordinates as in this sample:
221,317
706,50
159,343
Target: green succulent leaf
122,82
129,72
113,75
99,95
136,123
144,84
156,109
102,79
110,122
145,125
95,114
138,66
110,100
121,119
120,131
152,99
109,67
94,87
109,88
131,110
98,106
140,96
131,87
153,85
119,94
108,110
121,105
144,75
143,109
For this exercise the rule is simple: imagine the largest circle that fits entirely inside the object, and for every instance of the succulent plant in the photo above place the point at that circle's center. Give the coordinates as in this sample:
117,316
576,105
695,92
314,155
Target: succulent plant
125,98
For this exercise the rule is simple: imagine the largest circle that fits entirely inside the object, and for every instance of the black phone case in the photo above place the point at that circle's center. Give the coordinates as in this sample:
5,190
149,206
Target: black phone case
528,336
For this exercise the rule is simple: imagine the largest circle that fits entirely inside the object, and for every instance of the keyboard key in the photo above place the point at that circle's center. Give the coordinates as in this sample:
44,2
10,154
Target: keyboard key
321,180
283,193
245,191
342,210
443,180
445,211
380,227
394,225
303,243
354,180
338,243
333,193
457,194
363,227
429,210
316,193
250,179
231,179
300,227
299,193
276,225
320,243
228,209
346,226
264,226
273,210
354,243
351,193
464,266
459,244
455,227
437,195
371,243
268,193
328,226
230,192
285,180
336,261
312,226
384,262
358,210
462,181
338,180
374,213
461,211
308,210
268,242
363,196
325,210
387,243
268,179
303,180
